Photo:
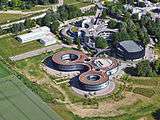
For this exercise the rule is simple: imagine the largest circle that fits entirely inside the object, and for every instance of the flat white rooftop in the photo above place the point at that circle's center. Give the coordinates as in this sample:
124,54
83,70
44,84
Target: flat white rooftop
42,33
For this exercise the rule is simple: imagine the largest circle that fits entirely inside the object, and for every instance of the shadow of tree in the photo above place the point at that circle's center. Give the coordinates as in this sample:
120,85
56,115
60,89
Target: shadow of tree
156,114
131,71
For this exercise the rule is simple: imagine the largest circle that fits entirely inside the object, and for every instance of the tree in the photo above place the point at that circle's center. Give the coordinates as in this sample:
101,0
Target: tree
127,16
63,12
157,66
143,35
29,23
100,42
120,36
145,19
1,31
144,69
78,42
54,26
112,24
68,41
68,12
156,114
15,3
15,28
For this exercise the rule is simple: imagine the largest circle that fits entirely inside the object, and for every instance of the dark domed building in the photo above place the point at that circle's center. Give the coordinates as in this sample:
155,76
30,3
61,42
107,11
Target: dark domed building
130,50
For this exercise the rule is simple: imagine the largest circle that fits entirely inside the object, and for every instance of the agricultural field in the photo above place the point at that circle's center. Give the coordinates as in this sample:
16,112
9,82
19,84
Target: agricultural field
18,102
9,46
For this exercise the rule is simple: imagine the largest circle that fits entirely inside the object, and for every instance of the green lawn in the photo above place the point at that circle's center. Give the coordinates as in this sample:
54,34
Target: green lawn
3,71
77,3
6,17
82,4
9,46
17,102
29,65
36,8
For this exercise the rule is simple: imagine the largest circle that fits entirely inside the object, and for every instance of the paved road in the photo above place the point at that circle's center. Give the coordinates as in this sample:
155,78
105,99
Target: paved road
35,52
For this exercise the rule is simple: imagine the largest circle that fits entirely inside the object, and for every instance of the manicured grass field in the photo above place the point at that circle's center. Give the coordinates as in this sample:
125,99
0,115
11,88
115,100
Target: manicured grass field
6,17
82,4
36,8
17,102
76,3
9,46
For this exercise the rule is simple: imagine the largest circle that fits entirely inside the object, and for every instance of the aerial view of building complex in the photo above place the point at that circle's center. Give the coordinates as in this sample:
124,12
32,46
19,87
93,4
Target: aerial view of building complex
79,59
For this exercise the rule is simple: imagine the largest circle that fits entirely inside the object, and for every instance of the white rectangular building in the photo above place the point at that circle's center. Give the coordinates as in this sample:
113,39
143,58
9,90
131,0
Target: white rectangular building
43,34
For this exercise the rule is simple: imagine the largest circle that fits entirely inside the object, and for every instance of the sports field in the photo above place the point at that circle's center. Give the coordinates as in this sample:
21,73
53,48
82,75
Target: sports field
17,102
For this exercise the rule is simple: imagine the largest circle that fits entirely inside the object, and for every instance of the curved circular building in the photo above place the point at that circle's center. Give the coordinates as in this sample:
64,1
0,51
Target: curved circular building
70,60
130,50
95,72
93,80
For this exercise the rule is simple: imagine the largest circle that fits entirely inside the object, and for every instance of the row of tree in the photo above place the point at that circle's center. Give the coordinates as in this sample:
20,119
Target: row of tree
18,27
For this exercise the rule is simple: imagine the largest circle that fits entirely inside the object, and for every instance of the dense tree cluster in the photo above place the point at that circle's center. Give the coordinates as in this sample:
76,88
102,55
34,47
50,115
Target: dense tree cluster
22,26
65,12
145,69
15,28
152,26
68,12
23,4
101,43
112,24
130,27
